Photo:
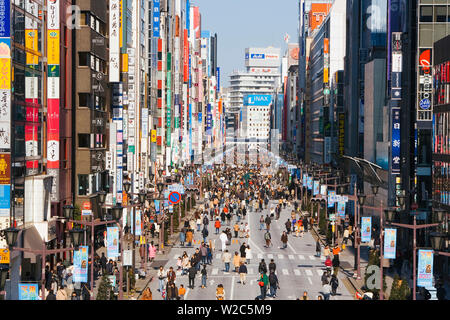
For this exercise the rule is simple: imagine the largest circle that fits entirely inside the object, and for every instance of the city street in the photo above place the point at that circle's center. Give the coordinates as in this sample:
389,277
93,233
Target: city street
297,270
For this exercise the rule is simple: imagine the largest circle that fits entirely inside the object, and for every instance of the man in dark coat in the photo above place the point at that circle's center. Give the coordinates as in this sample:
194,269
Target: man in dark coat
51,295
191,274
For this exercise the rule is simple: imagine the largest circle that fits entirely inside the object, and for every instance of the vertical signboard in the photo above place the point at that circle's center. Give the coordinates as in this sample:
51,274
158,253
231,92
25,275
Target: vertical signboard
395,147
53,96
341,209
390,243
425,86
366,229
138,221
112,240
316,188
425,268
117,105
156,18
114,41
5,107
80,261
31,88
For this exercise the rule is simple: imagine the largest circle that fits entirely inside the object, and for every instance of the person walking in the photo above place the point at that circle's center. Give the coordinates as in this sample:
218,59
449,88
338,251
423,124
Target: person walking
288,225
248,254
220,292
318,248
209,255
171,275
272,266
268,238
182,237
284,240
262,268
181,292
189,237
336,263
217,225
191,274
226,258
161,276
223,239
263,282
267,221
236,230
171,291
243,253
242,272
261,222
326,290
326,251
61,294
199,223
324,278
203,252
204,274
273,282
236,261
334,282
103,262
305,295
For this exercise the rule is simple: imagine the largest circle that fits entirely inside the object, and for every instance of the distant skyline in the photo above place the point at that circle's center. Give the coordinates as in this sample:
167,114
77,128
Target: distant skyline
241,24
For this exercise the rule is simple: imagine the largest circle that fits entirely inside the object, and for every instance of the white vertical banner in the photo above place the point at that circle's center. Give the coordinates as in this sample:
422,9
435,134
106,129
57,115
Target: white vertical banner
114,41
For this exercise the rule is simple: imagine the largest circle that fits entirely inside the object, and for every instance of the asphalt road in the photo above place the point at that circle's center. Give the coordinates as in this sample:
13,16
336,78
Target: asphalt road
298,269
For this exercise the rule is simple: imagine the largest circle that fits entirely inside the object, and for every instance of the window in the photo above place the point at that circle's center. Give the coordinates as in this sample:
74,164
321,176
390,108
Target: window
84,99
83,59
440,14
83,184
426,14
84,140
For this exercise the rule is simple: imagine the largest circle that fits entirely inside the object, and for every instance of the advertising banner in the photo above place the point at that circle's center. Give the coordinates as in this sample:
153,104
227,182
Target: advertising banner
5,168
5,74
5,200
366,229
331,198
310,183
425,268
341,209
80,261
112,241
157,209
28,291
316,187
323,190
156,18
390,242
138,223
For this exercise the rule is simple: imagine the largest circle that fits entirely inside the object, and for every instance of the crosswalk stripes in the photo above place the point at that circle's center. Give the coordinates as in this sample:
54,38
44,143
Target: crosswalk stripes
319,272
260,256
308,272
285,272
280,256
312,258
301,257
270,256
218,255
215,271
250,270
291,257
296,272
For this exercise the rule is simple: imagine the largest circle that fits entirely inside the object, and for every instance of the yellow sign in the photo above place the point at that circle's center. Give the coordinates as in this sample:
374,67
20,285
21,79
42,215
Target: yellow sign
5,74
121,26
4,256
153,136
53,47
31,43
124,62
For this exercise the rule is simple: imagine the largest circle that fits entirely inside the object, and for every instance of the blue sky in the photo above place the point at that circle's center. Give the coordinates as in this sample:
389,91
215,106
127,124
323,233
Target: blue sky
240,24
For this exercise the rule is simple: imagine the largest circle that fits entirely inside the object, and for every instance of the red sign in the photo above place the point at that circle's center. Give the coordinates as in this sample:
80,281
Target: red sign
186,57
174,197
86,205
425,61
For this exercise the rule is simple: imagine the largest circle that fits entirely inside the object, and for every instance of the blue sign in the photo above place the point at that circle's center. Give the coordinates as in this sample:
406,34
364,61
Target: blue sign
209,121
258,100
157,19
28,291
247,56
5,18
305,180
316,187
157,207
425,104
310,183
395,141
174,197
341,209
218,79
188,21
331,198
425,268
258,56
5,196
366,229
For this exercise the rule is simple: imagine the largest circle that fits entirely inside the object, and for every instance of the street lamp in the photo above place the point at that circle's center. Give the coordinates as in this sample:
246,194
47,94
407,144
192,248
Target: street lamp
160,186
437,240
101,197
117,212
142,197
68,212
151,176
361,199
76,235
11,236
375,189
160,172
127,186
438,215
389,213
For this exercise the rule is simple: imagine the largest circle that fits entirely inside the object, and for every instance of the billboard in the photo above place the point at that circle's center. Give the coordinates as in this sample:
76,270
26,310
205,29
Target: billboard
262,57
425,268
29,291
390,242
396,141
258,100
366,229
112,241
114,41
293,50
5,74
317,14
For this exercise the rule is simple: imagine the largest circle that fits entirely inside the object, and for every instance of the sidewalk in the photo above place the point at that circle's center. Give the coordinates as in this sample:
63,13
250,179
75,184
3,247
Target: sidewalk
152,267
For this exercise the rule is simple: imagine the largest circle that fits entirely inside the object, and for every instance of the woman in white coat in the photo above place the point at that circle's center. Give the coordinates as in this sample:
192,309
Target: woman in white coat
248,254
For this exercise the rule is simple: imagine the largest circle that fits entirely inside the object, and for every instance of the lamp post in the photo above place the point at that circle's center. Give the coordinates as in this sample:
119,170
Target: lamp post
160,187
438,217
